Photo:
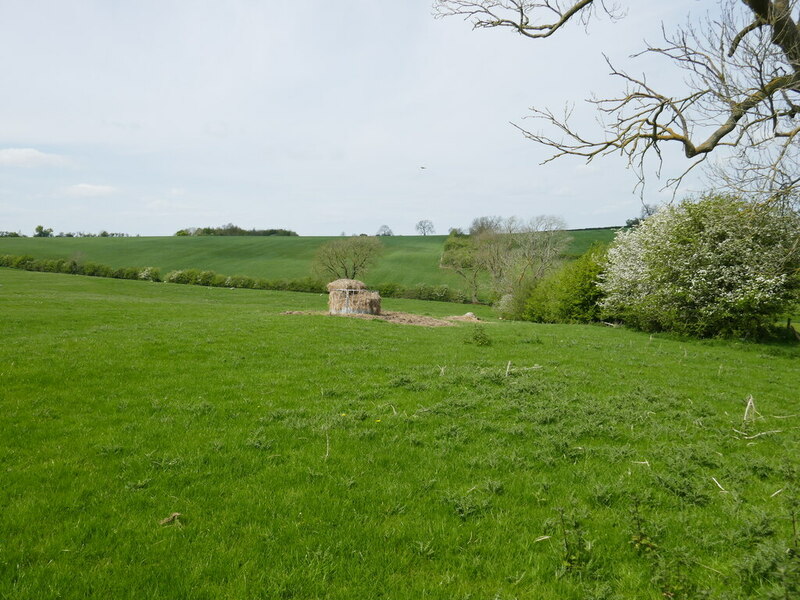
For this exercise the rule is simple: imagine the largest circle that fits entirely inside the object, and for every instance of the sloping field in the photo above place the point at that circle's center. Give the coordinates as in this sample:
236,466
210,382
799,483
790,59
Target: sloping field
407,260
165,441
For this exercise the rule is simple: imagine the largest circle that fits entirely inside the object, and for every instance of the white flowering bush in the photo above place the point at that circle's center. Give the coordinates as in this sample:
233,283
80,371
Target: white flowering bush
150,274
717,266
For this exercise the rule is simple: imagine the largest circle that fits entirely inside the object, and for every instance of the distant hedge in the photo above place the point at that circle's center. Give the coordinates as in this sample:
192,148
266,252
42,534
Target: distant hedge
73,267
440,293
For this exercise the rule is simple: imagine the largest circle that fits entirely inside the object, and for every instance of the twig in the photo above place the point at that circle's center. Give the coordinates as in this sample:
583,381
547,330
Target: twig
714,479
709,568
327,445
752,437
508,368
173,518
776,493
750,412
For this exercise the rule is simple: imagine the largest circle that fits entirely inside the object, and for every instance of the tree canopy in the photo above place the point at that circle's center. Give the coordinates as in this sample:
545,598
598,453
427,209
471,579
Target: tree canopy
347,258
425,227
741,94
713,267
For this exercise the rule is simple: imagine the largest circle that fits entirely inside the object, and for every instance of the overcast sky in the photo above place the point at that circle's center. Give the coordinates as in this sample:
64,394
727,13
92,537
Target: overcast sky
149,116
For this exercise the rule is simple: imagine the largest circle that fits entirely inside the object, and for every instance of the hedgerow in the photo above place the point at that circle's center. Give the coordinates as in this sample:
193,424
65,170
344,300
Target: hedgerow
208,278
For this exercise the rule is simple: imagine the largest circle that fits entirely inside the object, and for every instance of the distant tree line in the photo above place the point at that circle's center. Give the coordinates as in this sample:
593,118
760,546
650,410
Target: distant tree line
83,234
41,232
231,229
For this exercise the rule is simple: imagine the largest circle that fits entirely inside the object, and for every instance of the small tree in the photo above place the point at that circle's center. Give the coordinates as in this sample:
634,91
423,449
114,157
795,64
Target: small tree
347,258
40,231
570,294
718,266
485,225
516,252
424,227
384,231
459,255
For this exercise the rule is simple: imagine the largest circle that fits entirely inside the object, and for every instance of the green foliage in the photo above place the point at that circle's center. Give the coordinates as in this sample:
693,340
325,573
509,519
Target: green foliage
478,336
717,266
233,230
73,267
569,294
347,258
460,255
41,232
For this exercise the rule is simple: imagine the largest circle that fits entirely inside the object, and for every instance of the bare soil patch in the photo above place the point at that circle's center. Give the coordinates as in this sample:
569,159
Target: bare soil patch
398,317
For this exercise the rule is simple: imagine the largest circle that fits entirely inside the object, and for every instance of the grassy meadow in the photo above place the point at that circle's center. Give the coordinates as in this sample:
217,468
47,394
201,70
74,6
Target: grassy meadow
407,260
324,457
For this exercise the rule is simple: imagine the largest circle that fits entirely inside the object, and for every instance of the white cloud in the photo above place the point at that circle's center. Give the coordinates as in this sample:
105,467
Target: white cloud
29,157
88,190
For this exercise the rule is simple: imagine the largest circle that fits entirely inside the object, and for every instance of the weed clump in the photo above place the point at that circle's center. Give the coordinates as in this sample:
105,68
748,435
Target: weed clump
478,337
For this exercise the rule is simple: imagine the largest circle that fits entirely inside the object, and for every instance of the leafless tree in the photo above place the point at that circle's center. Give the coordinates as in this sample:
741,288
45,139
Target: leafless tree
741,100
425,227
347,258
482,224
460,256
384,230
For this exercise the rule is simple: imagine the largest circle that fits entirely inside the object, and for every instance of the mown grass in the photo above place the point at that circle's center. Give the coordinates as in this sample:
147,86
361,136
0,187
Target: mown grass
407,260
322,457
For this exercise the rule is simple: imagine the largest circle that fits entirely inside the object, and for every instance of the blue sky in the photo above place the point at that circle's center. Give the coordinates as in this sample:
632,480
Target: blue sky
146,117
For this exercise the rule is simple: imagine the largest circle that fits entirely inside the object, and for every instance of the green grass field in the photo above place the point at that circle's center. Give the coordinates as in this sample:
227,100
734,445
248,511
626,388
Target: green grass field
407,260
325,457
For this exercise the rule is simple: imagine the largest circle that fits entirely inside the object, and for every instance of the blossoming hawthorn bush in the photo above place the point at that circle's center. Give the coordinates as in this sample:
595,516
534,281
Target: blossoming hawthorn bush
716,266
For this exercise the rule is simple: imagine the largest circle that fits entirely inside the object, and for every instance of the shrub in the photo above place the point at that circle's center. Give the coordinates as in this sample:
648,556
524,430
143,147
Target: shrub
97,270
478,336
149,274
21,262
205,278
571,294
126,273
717,266
240,281
179,276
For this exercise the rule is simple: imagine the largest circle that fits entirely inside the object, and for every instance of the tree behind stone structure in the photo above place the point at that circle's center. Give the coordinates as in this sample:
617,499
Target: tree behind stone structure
347,258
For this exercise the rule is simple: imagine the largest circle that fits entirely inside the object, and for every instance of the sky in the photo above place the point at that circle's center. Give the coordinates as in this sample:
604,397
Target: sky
147,117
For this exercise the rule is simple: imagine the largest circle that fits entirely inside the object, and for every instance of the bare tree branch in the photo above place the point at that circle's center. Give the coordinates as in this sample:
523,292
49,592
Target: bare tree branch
519,14
742,94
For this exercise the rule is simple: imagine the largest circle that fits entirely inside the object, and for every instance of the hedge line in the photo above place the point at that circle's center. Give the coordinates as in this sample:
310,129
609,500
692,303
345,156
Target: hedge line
442,293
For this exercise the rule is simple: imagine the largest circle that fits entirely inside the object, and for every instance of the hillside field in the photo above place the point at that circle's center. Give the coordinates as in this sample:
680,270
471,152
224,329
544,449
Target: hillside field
309,456
407,260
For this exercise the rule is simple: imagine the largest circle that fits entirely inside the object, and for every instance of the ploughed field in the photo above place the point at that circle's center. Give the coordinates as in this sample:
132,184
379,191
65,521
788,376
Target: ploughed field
166,441
406,260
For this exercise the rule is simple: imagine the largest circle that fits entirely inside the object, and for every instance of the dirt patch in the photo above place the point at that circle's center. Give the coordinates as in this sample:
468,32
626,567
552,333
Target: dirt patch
397,317
467,318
